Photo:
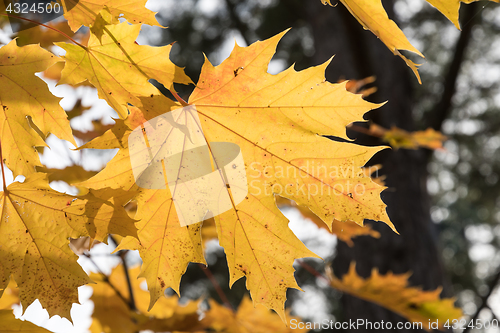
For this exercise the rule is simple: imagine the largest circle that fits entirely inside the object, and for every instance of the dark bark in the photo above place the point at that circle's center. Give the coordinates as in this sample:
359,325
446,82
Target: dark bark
444,106
360,54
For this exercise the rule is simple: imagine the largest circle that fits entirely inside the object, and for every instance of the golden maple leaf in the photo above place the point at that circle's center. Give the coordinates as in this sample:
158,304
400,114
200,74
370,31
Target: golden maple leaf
247,319
119,68
449,8
24,95
35,228
392,292
85,12
289,112
399,138
372,16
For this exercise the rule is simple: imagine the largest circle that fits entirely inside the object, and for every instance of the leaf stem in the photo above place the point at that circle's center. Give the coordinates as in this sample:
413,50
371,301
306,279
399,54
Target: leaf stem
46,26
178,98
105,279
3,170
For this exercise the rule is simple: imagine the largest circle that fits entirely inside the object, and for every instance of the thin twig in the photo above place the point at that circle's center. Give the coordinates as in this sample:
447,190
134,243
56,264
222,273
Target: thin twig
216,285
105,279
442,109
122,254
46,26
311,270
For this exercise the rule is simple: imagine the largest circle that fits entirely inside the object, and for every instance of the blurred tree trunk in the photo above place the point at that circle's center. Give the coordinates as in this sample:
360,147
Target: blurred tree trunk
360,54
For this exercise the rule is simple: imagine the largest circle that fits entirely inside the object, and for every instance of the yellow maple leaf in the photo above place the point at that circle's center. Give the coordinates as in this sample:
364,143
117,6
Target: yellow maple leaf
119,68
24,95
449,8
392,292
35,228
248,319
359,86
429,138
399,138
11,324
84,12
287,112
372,16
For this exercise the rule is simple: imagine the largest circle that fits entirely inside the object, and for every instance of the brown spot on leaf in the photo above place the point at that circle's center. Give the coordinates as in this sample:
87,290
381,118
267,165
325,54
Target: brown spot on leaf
162,283
237,71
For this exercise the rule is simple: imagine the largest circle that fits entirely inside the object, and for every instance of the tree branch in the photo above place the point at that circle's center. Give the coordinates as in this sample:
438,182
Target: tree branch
443,107
122,254
237,23
105,279
217,287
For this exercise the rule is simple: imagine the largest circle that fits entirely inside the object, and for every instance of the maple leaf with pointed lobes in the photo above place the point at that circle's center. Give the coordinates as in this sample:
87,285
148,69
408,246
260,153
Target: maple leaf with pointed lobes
392,292
35,226
289,112
84,12
246,319
449,8
119,68
25,95
372,16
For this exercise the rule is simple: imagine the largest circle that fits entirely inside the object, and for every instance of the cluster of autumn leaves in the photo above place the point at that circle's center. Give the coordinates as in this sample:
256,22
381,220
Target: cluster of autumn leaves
289,113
